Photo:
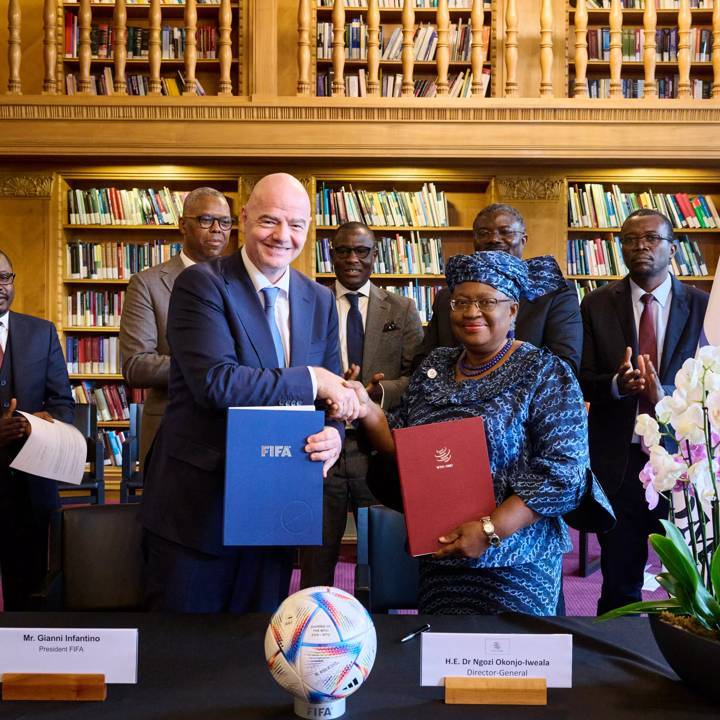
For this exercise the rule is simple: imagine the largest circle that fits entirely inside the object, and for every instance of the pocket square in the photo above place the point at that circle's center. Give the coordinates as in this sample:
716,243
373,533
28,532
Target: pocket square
389,326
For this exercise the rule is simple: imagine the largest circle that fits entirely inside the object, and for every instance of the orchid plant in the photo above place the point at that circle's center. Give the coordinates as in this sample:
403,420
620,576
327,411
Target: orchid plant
683,441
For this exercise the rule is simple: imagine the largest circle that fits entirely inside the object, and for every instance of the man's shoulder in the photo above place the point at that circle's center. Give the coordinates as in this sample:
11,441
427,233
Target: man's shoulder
600,296
695,295
174,264
321,291
30,322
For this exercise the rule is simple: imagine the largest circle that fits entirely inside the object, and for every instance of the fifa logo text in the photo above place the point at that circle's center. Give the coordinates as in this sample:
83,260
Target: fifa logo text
275,451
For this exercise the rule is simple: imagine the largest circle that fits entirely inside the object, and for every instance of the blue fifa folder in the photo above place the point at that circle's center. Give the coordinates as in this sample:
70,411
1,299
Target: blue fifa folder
273,491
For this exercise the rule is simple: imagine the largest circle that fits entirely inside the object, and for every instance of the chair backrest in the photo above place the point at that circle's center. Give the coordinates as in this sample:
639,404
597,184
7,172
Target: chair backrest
85,419
100,557
383,561
131,480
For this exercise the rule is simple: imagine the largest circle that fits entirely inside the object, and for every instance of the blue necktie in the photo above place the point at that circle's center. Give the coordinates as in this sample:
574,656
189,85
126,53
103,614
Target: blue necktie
355,334
271,294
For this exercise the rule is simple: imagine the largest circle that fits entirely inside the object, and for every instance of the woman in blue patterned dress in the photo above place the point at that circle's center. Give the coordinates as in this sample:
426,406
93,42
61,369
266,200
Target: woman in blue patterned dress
536,429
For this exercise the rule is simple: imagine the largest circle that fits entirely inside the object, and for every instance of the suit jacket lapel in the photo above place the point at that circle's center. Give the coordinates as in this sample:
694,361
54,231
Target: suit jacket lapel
622,300
169,272
248,309
20,341
302,302
377,315
679,312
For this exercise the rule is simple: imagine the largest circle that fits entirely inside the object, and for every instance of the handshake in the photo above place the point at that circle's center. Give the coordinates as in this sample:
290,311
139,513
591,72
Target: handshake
345,397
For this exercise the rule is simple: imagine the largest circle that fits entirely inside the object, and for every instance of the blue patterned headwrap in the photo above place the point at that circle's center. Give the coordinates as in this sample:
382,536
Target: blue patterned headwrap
514,277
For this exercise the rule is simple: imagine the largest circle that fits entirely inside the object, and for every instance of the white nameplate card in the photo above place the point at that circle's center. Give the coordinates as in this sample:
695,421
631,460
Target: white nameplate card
486,655
113,652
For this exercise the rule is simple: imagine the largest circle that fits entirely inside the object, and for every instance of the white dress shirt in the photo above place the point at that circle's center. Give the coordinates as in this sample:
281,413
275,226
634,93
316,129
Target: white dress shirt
187,261
4,330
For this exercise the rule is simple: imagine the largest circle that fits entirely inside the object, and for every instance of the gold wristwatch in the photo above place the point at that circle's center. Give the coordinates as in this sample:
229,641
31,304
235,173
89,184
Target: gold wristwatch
489,530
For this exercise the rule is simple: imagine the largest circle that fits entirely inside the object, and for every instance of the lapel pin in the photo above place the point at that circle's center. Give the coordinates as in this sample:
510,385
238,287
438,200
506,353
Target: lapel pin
432,373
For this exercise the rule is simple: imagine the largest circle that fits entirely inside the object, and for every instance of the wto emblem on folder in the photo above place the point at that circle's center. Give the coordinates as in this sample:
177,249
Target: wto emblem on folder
273,491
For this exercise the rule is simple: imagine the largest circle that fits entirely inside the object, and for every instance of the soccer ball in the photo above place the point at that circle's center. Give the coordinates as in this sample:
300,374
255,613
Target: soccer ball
320,646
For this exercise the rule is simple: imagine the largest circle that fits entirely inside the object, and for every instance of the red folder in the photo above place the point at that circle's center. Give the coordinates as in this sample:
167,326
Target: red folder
445,479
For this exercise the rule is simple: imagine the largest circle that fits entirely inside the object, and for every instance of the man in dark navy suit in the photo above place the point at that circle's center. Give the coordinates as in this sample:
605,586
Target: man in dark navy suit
34,379
243,330
646,321
551,321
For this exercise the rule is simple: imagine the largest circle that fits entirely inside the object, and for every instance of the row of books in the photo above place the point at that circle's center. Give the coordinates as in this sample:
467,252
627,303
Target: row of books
667,88
426,207
659,4
113,441
137,84
99,355
666,44
419,4
94,308
115,260
111,399
583,287
423,295
591,205
395,255
119,206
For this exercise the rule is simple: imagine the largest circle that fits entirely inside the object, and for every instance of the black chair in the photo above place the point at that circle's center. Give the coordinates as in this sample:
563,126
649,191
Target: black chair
92,488
96,559
386,576
131,480
586,566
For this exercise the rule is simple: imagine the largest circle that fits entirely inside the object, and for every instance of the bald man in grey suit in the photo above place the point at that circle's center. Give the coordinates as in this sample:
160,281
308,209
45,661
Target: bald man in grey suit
205,227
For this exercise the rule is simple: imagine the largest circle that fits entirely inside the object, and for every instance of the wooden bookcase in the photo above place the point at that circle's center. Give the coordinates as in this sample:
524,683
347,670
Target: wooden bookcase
424,71
666,70
108,237
137,66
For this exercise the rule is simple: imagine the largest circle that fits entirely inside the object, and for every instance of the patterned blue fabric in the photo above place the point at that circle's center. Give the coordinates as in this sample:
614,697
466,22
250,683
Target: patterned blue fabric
512,276
536,428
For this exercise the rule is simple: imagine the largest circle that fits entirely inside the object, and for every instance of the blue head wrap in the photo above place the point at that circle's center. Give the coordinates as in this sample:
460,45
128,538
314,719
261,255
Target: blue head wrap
506,273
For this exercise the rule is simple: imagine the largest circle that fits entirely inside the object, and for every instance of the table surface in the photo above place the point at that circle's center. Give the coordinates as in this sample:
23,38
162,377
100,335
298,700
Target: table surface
212,667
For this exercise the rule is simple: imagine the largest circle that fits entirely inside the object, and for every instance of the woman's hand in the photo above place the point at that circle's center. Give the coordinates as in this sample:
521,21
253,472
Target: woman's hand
467,540
362,396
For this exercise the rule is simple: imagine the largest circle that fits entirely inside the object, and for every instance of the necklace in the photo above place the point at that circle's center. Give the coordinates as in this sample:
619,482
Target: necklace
474,370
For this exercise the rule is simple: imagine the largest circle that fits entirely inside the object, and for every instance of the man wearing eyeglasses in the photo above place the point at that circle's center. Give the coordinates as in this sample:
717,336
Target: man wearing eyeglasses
205,228
379,334
638,331
34,379
551,321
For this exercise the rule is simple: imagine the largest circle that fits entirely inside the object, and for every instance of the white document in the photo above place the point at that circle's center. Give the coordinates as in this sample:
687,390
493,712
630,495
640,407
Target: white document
113,652
54,450
490,655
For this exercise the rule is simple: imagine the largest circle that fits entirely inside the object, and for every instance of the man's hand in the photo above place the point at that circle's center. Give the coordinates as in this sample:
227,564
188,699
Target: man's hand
653,391
362,396
12,428
468,540
630,380
325,447
44,416
341,400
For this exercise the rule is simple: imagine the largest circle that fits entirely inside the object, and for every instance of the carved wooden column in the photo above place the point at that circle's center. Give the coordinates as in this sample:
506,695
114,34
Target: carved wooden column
225,48
581,49
304,48
84,50
684,23
14,50
338,51
120,46
190,47
616,20
477,49
511,48
408,59
373,21
443,49
716,49
650,49
50,47
546,49
155,47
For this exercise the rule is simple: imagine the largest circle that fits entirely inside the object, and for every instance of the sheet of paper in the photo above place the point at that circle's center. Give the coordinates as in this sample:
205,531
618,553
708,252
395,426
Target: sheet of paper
54,450
113,652
491,655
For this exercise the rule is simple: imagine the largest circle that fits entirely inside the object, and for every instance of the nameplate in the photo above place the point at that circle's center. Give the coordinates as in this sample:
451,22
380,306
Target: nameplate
485,655
112,652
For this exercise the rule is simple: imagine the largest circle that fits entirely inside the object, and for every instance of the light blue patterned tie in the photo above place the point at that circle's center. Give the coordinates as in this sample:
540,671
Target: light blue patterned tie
271,294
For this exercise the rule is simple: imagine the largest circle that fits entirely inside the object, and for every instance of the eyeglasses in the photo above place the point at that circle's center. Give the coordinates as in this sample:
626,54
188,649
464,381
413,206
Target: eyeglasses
7,278
345,252
206,221
502,233
650,239
484,305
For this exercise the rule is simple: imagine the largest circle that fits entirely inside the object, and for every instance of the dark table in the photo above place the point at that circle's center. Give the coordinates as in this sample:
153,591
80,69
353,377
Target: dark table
213,667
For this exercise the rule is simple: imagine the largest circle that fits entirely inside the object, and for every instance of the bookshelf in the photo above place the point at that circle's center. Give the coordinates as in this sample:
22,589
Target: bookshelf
108,229
172,32
415,234
390,40
690,200
632,39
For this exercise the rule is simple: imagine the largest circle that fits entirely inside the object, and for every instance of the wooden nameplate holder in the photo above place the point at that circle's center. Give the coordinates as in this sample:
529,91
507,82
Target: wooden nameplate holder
495,691
53,686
